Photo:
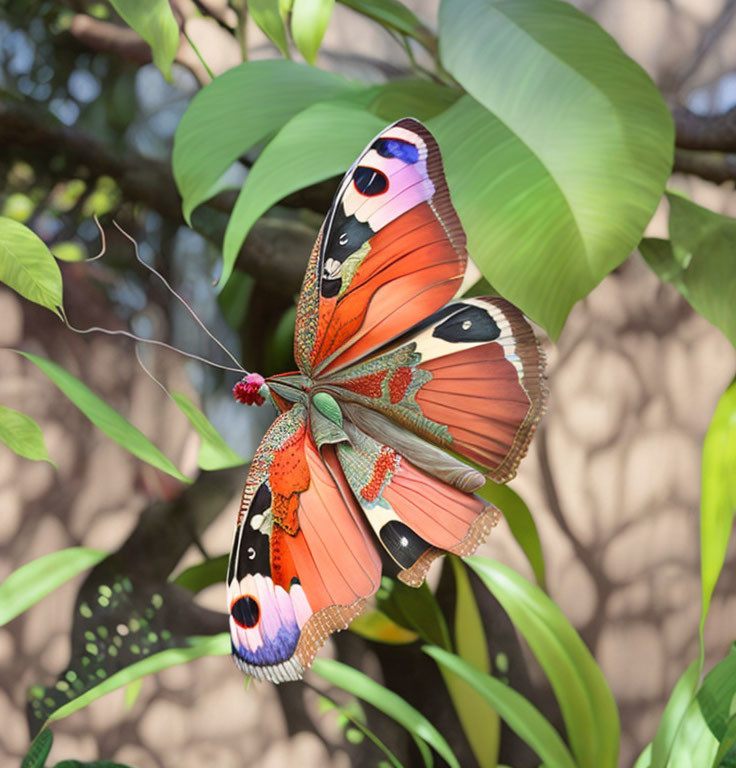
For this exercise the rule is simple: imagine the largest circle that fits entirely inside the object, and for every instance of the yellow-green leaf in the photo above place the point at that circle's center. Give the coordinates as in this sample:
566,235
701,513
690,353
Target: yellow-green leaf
309,20
22,435
154,21
106,418
27,266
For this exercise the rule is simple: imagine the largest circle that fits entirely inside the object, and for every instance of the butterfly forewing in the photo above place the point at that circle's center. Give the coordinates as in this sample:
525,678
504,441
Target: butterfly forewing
392,251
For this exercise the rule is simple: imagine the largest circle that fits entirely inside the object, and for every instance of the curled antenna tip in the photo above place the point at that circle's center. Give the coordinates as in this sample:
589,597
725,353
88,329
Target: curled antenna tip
103,245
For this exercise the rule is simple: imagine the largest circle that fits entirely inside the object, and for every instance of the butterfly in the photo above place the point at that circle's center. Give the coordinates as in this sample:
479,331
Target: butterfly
400,385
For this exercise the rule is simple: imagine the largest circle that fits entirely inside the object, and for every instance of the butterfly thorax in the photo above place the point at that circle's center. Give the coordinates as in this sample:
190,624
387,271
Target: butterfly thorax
287,388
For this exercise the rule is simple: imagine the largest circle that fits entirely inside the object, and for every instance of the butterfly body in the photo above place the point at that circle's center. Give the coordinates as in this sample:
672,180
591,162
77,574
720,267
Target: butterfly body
394,371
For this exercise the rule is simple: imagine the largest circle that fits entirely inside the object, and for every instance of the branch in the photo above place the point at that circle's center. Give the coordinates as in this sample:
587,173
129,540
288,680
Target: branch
711,166
705,132
275,251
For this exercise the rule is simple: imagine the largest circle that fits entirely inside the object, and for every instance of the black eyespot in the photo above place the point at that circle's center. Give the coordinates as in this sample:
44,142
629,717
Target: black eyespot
369,181
472,324
245,611
405,546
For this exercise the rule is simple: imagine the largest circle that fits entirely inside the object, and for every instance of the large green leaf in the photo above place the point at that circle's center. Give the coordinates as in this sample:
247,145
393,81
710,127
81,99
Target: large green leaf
587,705
215,645
27,266
718,497
22,435
214,452
377,626
388,702
106,418
155,23
698,261
309,20
477,716
320,142
236,111
34,580
557,181
518,713
674,716
521,523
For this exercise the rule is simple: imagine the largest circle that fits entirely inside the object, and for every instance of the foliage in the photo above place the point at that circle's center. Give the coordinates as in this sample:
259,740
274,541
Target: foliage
556,164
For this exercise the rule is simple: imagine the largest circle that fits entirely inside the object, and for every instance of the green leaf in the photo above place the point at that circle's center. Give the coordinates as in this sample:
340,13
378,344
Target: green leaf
518,713
394,15
202,575
418,98
270,17
645,758
298,156
716,694
726,755
106,418
309,20
155,23
214,452
560,163
216,645
478,718
22,435
521,523
717,499
360,685
27,266
376,626
34,580
132,692
694,746
39,750
699,262
357,718
236,111
414,608
586,703
674,715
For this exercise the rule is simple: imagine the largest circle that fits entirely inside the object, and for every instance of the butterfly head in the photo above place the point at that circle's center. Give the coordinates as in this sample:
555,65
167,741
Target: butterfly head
249,389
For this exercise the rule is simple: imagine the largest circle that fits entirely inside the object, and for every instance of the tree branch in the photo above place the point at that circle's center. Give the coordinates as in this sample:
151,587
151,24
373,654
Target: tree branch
275,251
711,166
705,132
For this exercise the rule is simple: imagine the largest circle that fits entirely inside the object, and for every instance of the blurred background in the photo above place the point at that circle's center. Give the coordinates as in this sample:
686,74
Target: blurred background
613,477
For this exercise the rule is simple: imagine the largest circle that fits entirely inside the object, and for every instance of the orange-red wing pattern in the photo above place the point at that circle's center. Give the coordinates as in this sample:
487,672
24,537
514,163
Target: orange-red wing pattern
391,252
303,561
468,379
415,516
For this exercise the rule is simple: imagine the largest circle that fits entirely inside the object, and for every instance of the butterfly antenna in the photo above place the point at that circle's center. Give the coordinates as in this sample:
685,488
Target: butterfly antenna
155,342
103,246
240,368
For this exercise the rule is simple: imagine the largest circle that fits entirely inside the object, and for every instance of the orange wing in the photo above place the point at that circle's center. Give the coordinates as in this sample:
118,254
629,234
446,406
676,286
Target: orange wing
391,252
468,379
303,561
415,516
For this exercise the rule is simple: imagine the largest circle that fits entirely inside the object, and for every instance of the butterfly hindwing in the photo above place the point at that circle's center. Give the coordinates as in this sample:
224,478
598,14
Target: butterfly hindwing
302,561
415,516
391,252
469,379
